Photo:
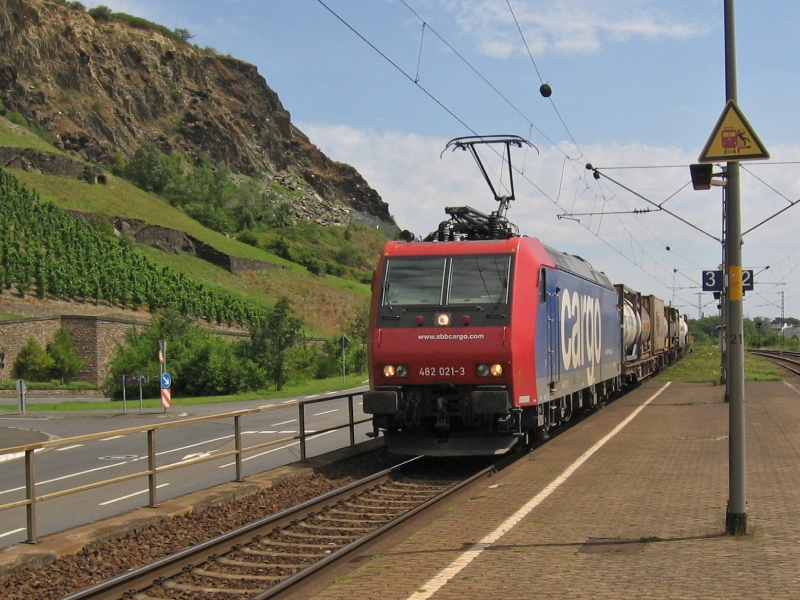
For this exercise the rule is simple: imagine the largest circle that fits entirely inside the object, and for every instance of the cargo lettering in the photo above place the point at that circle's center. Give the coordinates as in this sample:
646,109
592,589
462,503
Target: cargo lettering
580,332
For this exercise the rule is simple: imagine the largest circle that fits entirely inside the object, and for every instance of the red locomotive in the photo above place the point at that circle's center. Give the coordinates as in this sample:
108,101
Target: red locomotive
481,338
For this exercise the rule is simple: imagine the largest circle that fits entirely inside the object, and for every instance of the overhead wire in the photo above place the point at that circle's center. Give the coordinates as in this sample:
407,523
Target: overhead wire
483,78
415,80
567,158
536,68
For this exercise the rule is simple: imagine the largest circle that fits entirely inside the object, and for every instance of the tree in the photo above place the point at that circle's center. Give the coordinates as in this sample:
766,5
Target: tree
149,169
270,340
66,361
33,363
359,331
184,34
200,362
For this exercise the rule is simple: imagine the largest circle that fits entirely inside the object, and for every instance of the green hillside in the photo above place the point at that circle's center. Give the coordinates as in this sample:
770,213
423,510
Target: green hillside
325,303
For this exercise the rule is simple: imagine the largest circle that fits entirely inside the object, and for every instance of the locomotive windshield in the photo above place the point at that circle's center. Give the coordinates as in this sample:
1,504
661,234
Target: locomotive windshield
447,281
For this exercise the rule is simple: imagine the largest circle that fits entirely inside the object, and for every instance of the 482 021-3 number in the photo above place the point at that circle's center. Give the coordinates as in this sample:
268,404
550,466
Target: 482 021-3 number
442,371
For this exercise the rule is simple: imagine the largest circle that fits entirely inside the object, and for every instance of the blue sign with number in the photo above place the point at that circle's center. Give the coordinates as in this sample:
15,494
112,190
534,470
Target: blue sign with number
166,381
712,281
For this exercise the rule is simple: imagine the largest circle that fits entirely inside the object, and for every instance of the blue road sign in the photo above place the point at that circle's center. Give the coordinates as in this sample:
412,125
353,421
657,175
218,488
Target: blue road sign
166,381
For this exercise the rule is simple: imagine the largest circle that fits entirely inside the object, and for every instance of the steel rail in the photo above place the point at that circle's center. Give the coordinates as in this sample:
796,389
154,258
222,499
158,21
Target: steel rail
143,577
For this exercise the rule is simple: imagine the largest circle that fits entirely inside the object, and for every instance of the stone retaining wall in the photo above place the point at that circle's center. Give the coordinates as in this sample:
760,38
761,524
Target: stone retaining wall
95,338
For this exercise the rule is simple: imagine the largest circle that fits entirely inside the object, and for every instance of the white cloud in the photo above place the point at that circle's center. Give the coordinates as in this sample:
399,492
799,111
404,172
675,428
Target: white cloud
567,26
654,252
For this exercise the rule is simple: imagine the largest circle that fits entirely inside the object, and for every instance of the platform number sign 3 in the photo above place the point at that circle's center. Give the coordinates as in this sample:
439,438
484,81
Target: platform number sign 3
712,281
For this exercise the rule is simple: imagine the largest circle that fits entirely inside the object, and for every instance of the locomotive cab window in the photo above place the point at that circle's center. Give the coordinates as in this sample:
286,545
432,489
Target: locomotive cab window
411,282
441,281
479,279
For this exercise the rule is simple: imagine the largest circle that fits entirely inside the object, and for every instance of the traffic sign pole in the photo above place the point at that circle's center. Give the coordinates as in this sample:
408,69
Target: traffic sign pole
162,360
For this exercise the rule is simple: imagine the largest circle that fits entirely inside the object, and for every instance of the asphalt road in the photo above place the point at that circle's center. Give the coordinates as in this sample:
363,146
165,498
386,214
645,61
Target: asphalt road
118,454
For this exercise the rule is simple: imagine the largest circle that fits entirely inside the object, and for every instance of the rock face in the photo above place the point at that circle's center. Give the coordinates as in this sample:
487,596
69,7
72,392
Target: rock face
103,87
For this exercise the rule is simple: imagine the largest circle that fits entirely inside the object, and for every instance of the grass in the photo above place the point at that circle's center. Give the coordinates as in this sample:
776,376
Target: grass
122,199
326,304
178,402
19,137
4,316
11,384
703,366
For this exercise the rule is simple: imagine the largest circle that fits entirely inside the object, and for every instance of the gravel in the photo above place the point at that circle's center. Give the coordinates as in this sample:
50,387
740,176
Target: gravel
109,558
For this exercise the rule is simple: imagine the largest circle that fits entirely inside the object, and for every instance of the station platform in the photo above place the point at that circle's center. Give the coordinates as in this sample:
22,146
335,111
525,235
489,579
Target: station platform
604,512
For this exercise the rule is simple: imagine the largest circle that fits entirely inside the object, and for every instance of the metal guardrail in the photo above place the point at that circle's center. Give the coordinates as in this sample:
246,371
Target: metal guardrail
32,500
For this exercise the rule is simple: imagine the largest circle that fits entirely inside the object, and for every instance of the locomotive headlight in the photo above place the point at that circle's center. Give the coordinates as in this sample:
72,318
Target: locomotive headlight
443,319
486,370
395,371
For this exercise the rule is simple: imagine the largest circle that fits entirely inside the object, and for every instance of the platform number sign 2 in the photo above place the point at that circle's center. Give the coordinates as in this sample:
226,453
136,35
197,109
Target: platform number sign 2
712,281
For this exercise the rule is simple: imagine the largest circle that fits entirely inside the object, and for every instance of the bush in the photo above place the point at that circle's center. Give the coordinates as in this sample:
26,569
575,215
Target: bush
207,215
17,119
100,13
33,362
66,362
249,237
200,362
149,169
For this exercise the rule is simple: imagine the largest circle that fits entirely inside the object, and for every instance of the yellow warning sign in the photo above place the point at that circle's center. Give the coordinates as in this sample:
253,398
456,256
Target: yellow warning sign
733,139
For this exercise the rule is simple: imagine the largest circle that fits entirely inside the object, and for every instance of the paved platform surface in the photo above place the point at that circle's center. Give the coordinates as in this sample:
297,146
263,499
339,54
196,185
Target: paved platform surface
640,516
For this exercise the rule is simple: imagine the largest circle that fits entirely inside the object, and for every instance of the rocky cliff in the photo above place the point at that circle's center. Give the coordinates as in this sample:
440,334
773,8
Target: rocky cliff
102,87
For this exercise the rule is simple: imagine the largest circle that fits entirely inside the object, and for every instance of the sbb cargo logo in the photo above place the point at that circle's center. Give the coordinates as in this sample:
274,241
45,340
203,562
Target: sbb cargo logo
581,333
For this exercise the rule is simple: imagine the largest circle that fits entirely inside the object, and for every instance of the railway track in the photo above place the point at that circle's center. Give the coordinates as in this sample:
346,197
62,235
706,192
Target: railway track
271,555
788,360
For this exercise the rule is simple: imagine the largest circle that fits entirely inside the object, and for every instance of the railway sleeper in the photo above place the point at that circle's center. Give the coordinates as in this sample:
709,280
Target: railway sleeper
394,497
383,514
286,549
272,579
250,564
377,519
311,536
184,587
372,505
320,527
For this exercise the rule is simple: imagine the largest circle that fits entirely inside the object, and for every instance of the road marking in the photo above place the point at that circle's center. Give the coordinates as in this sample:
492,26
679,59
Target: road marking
12,532
130,495
38,483
274,431
297,443
68,447
437,582
288,401
311,396
119,464
283,422
12,456
113,437
194,456
267,406
326,412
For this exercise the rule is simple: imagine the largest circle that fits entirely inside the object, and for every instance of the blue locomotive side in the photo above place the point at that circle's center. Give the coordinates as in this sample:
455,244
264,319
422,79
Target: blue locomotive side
578,335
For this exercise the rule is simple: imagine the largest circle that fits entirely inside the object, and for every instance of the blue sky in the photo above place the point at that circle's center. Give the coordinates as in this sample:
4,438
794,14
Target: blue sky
638,86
